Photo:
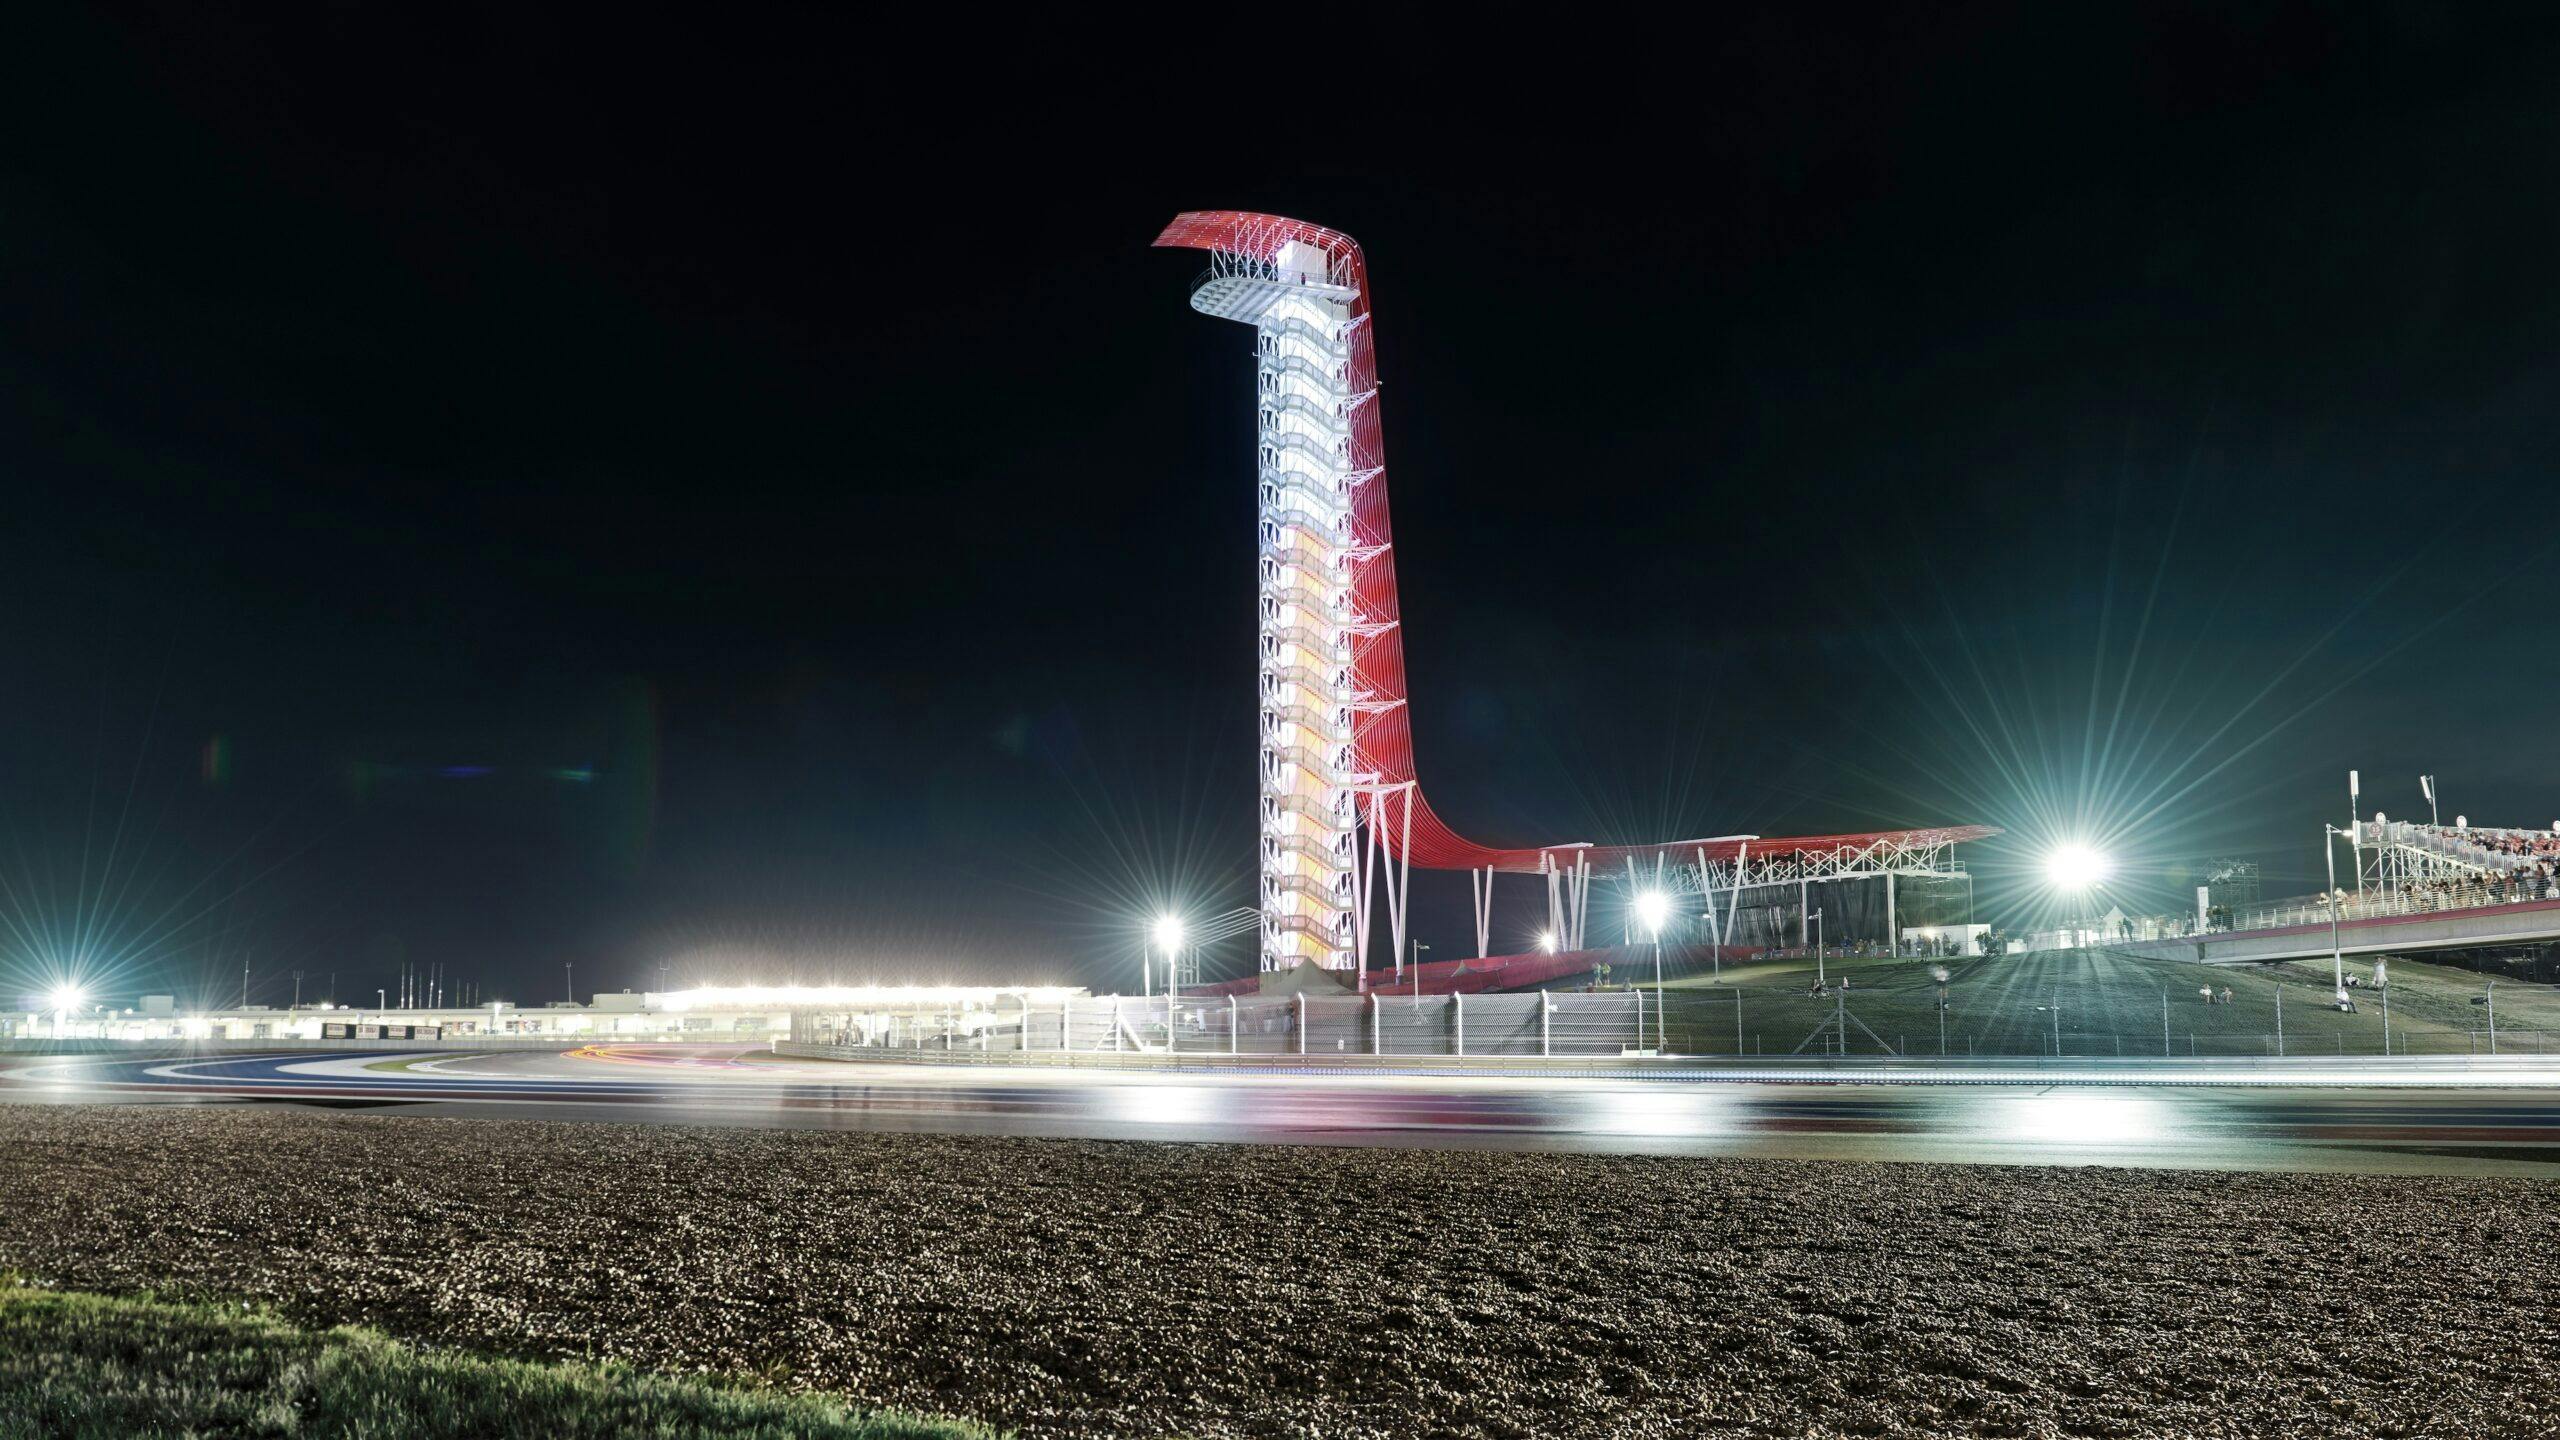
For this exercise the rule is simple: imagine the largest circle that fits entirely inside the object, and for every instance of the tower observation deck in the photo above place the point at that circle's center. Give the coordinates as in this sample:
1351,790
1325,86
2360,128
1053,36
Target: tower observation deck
1342,813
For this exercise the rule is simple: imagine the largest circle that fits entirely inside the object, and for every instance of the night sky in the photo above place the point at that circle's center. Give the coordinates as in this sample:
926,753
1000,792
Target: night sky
745,498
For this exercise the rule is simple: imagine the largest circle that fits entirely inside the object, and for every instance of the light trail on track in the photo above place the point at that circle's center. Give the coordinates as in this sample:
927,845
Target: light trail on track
2280,1123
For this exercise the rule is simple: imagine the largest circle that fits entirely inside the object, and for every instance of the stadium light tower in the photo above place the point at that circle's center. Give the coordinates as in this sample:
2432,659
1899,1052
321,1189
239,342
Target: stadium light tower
2077,868
65,999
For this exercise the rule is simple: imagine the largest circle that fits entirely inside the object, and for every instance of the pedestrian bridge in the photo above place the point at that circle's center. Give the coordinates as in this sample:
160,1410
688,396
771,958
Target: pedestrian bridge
2522,922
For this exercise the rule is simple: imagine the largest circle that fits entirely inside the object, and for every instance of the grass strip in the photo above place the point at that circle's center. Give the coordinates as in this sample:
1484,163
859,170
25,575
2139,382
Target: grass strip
79,1365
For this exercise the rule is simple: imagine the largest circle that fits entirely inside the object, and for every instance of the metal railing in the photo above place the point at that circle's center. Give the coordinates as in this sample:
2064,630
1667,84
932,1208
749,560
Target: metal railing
1333,344
1233,265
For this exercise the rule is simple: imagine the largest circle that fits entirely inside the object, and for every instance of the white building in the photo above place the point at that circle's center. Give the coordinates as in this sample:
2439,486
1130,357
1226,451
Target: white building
751,1014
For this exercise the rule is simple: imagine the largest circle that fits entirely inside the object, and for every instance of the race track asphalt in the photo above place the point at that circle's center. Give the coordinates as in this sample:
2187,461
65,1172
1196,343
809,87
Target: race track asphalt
2510,1129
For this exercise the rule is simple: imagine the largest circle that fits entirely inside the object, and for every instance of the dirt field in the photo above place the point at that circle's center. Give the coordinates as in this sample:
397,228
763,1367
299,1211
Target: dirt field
1072,1288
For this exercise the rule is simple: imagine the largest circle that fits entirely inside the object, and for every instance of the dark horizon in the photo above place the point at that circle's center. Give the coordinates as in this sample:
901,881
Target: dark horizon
501,494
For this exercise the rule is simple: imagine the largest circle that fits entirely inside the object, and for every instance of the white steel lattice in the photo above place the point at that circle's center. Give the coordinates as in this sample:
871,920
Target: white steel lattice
1311,775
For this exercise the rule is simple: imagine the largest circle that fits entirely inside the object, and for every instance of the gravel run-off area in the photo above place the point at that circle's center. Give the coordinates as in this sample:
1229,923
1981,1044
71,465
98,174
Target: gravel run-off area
1112,1288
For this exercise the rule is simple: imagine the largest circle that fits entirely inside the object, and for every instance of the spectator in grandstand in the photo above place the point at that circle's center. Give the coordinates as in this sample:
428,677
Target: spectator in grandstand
2522,846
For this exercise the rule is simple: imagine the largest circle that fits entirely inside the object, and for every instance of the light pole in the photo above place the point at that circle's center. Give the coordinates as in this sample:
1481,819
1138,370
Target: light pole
1418,948
2355,828
1168,938
2337,961
1652,908
1942,1009
1818,977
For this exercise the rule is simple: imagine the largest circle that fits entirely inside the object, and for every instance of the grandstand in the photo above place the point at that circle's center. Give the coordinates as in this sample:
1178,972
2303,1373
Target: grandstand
2417,887
2471,854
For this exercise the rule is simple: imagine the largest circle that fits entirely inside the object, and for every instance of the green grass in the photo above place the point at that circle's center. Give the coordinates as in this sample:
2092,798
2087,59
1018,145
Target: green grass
75,1365
2109,1005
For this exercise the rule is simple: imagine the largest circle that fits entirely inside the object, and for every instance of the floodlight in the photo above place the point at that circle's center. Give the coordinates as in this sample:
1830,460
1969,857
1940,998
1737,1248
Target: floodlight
1652,908
67,997
1547,941
1168,933
2076,867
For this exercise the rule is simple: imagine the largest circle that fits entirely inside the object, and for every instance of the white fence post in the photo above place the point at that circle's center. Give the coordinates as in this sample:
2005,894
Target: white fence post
1116,1027
1169,1019
1302,1022
1377,1028
1638,992
1066,1022
1546,1026
1231,1025
1458,1004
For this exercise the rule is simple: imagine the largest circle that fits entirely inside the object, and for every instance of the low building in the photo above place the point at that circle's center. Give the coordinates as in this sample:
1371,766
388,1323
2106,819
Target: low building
752,1014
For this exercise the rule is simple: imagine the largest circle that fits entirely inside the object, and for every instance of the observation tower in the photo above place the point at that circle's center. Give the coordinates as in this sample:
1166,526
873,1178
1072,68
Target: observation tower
1315,451
1343,820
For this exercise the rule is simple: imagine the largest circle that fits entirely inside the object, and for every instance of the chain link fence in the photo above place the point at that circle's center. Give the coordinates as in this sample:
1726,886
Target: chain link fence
2088,1020
1535,1024
1989,1013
